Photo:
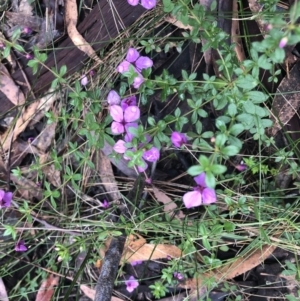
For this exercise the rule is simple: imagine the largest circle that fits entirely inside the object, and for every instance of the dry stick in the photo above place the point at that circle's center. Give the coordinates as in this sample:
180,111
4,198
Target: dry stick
105,283
113,255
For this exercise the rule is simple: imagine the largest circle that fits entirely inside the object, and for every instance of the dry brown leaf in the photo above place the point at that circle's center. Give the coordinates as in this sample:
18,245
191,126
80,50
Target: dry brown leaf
138,249
3,293
151,252
71,16
47,288
21,124
9,88
32,114
286,102
27,188
169,206
91,293
231,270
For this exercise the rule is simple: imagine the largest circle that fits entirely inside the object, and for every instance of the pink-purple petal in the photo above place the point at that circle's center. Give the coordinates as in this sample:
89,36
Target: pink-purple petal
123,66
148,4
20,246
137,81
178,139
133,2
113,98
116,113
200,180
131,114
7,198
127,102
117,128
143,62
132,55
120,147
84,80
192,199
208,196
131,284
151,155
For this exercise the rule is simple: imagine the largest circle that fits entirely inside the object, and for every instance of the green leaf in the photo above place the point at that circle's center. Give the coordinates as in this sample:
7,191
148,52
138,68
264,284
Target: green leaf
210,179
195,170
249,107
168,6
264,63
257,96
224,248
232,110
236,129
63,70
218,169
247,82
295,12
220,140
204,161
19,48
230,150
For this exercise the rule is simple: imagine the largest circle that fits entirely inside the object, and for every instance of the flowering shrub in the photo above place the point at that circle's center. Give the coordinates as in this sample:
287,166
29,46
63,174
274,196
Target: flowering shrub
137,63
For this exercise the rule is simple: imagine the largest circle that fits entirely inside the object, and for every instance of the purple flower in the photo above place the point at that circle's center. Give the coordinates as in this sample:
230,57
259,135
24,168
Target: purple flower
27,30
131,284
178,276
123,118
5,199
151,155
113,98
20,246
28,56
178,139
139,63
148,4
84,80
133,57
202,195
127,102
136,262
283,42
241,167
105,204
